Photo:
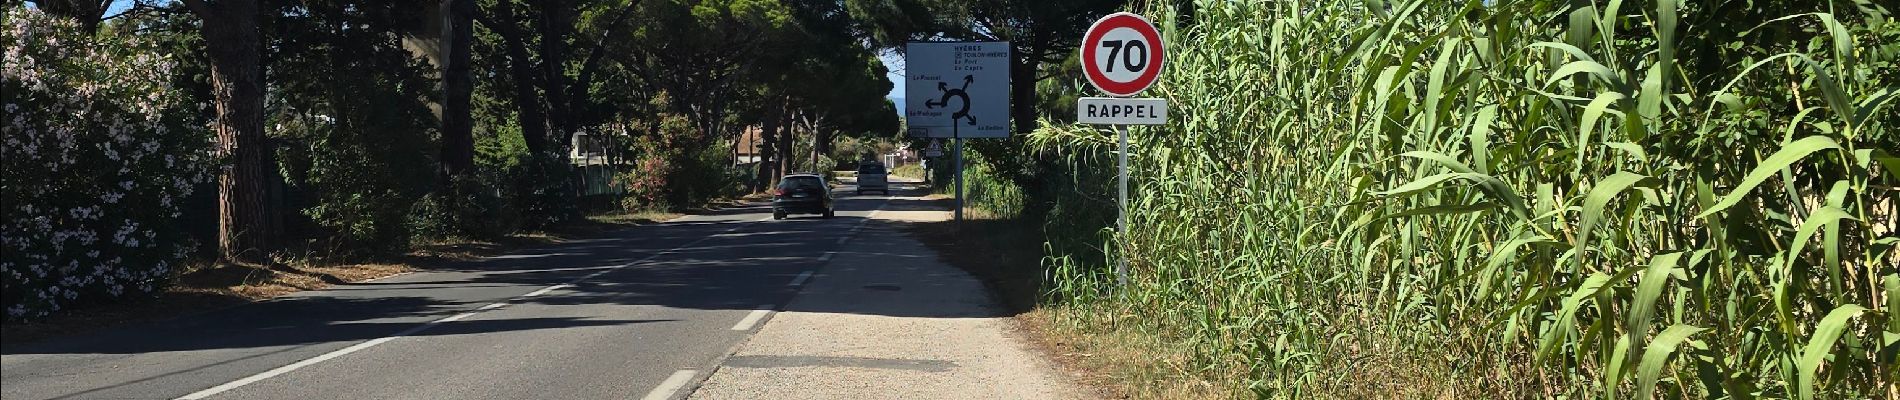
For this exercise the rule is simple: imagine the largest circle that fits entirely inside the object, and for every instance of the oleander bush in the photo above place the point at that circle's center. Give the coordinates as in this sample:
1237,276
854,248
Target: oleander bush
96,160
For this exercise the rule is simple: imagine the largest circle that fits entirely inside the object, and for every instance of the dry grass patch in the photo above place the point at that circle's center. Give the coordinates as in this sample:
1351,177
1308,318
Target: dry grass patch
254,283
1125,361
641,217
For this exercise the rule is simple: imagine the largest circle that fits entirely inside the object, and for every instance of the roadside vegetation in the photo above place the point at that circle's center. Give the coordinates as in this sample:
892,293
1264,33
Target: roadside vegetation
1512,199
242,146
1355,198
913,171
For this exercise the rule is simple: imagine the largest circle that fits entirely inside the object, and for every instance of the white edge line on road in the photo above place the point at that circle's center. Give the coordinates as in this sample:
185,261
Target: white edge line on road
800,280
214,390
544,290
676,381
671,385
284,369
753,318
457,317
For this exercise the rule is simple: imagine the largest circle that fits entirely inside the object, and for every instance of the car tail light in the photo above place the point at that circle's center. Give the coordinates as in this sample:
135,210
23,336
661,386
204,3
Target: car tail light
778,191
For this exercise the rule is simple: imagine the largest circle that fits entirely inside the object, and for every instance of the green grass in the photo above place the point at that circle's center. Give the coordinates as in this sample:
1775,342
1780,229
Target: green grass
913,171
1532,199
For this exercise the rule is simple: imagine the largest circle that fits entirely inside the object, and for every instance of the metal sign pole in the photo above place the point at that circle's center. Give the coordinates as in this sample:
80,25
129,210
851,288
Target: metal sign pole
1121,210
1122,33
957,138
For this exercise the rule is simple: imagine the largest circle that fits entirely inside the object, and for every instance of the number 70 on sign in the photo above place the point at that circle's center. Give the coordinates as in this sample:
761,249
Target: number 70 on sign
1122,55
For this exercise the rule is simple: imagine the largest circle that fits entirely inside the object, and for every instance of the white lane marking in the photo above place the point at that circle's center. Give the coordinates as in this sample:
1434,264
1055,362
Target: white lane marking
753,318
227,386
457,317
545,290
671,385
827,256
844,239
214,390
284,369
800,280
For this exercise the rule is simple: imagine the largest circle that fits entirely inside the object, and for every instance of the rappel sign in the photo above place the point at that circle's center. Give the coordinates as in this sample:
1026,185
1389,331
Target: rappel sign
1122,55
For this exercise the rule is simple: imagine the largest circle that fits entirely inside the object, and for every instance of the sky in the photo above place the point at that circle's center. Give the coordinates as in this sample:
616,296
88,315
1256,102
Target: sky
895,63
117,6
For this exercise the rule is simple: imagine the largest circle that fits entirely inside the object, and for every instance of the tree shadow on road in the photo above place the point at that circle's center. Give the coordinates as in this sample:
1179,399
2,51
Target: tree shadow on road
1005,254
297,322
702,265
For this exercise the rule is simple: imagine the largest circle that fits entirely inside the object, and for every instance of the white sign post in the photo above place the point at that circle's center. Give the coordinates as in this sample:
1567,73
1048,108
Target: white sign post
1122,55
957,90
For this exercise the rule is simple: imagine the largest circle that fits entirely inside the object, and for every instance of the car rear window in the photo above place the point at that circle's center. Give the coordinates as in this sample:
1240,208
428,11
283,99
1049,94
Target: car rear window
801,182
871,169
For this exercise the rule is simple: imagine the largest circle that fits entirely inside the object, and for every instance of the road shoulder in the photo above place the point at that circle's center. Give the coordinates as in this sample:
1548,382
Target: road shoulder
886,319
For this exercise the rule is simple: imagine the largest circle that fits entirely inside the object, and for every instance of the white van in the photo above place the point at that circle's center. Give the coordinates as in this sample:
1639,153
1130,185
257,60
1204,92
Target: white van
872,176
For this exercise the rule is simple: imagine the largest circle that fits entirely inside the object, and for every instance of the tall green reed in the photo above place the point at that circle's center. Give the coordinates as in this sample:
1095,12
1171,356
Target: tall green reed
1512,199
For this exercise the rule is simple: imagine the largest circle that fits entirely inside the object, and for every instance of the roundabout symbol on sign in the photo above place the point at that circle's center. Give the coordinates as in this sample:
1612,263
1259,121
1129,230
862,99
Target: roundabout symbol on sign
960,94
1122,54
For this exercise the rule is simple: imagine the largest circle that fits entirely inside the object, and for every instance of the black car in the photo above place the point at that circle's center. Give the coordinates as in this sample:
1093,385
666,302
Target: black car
801,194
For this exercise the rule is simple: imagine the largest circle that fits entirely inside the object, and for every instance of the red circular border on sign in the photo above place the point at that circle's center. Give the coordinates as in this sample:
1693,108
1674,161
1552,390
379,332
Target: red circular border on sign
1109,23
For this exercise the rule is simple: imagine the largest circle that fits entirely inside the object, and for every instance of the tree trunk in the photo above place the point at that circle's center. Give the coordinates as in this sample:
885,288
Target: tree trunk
555,25
445,38
458,120
246,228
1022,88
820,144
89,13
534,125
579,90
768,148
787,139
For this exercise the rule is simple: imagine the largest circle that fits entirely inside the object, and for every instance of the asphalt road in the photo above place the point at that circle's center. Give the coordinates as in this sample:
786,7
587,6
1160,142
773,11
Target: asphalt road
614,317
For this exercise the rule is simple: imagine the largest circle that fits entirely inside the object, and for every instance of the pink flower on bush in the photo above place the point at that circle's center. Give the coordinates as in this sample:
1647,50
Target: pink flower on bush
86,123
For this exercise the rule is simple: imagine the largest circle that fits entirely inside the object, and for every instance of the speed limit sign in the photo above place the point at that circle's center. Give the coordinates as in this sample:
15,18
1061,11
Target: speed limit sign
1122,54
